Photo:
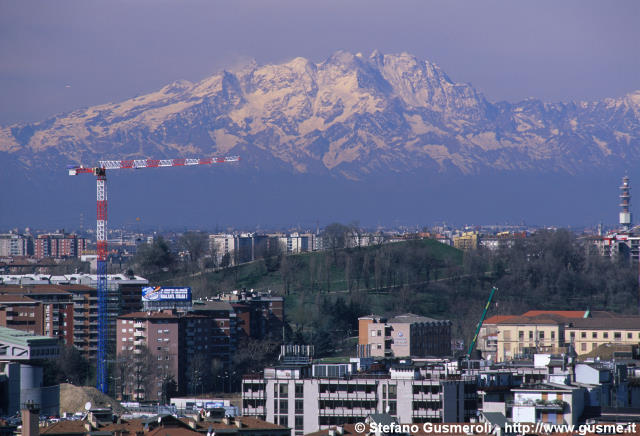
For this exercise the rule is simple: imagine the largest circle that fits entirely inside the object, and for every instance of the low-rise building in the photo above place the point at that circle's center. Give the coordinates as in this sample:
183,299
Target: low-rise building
403,336
588,334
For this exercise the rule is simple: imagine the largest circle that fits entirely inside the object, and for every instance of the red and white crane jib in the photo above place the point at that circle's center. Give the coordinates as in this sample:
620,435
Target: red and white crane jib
149,163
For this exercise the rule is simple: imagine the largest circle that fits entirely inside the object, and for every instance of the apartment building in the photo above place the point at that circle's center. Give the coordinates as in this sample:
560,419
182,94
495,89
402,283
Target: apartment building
22,313
548,402
259,314
57,307
403,336
13,244
173,339
466,241
222,332
309,398
59,245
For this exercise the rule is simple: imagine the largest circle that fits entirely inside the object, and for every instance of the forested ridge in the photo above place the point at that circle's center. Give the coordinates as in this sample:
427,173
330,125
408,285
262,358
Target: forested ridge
326,291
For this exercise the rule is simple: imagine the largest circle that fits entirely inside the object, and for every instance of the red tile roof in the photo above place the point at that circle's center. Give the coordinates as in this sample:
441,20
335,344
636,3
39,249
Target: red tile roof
565,313
495,319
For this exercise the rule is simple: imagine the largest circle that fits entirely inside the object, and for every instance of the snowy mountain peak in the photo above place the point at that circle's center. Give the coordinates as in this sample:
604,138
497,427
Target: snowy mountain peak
351,116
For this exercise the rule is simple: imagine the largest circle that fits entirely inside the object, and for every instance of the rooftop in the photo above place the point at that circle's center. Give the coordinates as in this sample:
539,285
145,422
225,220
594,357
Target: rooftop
412,318
21,338
564,313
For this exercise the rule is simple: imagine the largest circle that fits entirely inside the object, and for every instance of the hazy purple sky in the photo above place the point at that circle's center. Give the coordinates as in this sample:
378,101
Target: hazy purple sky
60,55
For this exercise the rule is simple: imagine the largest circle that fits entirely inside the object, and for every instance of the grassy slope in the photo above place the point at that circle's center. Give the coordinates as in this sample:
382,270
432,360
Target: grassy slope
255,275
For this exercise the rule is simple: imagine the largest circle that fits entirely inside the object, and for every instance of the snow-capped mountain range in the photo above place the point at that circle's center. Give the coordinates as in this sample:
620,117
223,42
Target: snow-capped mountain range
350,116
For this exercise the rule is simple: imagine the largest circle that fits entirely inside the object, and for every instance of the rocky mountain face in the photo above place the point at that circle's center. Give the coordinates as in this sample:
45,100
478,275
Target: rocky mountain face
350,116
380,139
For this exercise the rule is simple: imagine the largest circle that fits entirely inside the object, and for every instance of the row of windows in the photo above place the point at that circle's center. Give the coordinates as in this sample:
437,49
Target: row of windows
348,388
605,335
347,404
282,406
282,390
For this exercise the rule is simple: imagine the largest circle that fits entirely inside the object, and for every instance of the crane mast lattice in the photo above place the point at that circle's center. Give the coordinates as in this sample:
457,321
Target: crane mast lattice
101,236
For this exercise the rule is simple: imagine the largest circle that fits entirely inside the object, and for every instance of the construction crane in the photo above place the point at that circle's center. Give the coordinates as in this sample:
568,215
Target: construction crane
100,172
484,315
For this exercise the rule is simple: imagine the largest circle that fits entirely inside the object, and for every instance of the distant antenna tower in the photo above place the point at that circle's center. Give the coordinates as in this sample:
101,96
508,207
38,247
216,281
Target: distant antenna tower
625,202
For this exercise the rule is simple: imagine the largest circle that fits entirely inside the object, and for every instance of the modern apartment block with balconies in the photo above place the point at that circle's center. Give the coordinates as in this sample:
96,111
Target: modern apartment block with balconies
307,399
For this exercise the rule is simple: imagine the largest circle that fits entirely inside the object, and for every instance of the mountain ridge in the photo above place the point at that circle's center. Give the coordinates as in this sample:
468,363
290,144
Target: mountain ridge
350,116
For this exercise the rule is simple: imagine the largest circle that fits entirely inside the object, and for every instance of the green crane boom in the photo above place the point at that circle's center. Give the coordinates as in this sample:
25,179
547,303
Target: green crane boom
484,314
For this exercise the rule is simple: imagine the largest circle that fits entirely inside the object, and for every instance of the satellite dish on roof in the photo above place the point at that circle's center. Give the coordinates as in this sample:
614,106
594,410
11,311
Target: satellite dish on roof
87,406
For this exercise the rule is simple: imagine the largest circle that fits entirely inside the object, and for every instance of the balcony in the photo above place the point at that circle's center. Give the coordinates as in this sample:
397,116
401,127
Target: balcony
258,395
427,413
427,397
253,411
554,405
342,395
344,411
138,325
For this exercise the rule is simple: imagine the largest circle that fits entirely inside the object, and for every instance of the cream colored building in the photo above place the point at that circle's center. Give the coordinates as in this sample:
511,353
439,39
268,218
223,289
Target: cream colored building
523,335
539,331
588,334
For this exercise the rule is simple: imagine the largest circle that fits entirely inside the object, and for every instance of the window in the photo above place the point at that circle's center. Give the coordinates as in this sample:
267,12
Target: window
583,346
553,335
299,391
124,330
583,334
299,422
284,406
392,392
605,335
594,335
573,335
594,345
392,407
299,406
379,332
284,421
521,335
629,335
284,389
530,334
384,391
124,339
159,331
275,390
541,335
617,335
379,346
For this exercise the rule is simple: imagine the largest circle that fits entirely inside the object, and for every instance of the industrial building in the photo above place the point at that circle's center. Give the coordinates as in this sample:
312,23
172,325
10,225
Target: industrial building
21,377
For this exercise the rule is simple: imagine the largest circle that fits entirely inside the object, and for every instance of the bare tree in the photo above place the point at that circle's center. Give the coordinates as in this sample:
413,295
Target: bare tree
137,373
